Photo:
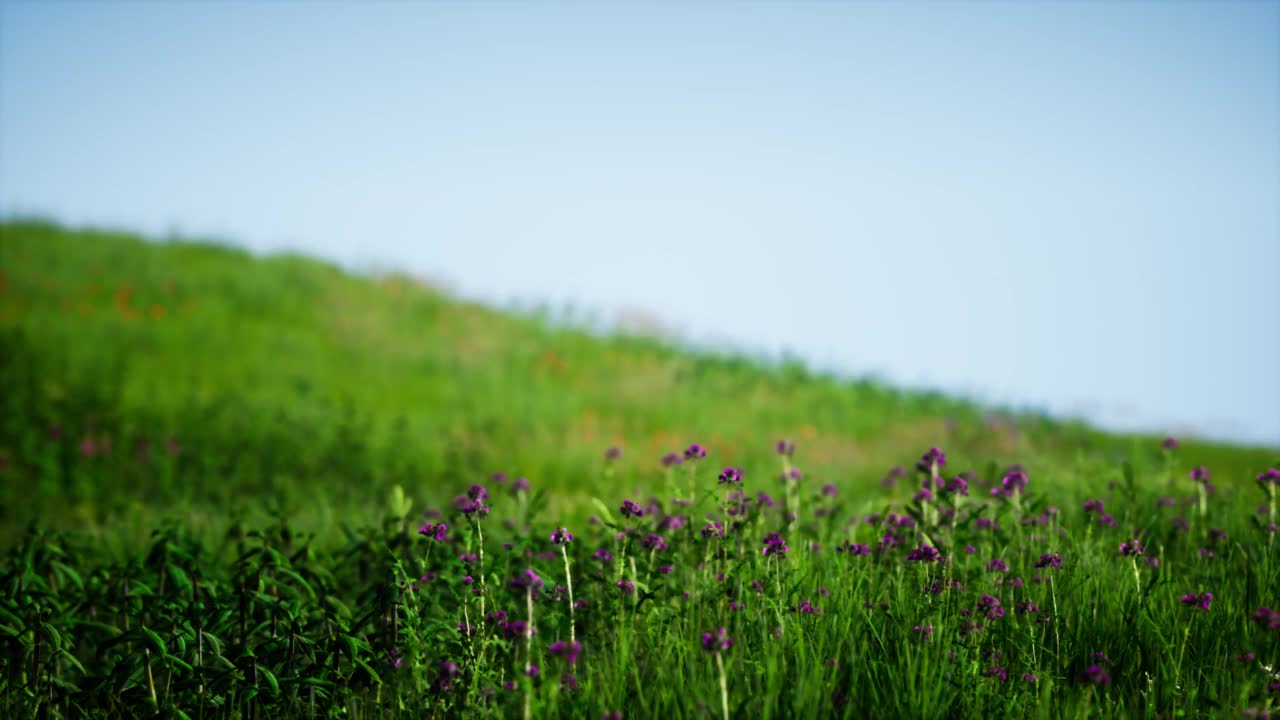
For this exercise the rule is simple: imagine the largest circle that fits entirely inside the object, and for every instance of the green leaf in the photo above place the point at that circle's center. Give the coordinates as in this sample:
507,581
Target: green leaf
271,680
604,510
155,640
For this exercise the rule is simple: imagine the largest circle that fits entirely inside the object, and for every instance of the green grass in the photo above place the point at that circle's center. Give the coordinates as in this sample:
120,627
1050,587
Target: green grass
247,545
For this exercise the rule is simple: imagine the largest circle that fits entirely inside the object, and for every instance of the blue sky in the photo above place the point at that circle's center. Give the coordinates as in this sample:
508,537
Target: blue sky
1065,205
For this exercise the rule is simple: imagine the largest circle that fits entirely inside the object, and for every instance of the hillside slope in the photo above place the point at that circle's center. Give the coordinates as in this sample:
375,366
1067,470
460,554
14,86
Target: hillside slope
141,376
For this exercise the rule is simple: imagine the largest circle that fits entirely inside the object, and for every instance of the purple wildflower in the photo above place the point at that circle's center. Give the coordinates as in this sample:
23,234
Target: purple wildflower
730,476
613,453
990,607
1267,618
1053,560
630,509
603,555
626,586
784,447
957,486
718,641
1202,599
438,532
713,530
829,490
924,553
527,580
654,542
671,460
695,452
561,536
1200,474
1093,506
519,485
932,458
568,651
774,545
1170,443
997,565
1094,675
1270,476
1131,548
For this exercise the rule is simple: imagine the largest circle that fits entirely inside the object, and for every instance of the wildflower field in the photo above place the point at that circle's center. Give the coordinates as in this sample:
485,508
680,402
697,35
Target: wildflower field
242,487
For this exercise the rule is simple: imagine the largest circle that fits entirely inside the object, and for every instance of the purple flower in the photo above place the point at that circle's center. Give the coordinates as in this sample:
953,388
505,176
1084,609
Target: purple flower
1200,474
568,682
774,545
630,509
730,476
792,474
603,555
996,672
924,553
829,490
854,549
695,452
932,457
1026,606
568,651
764,499
998,565
527,580
718,641
532,671
671,460
1170,443
1202,599
957,485
1244,658
1094,675
1270,476
438,532
561,536
923,495
784,447
924,631
1131,548
713,530
468,505
478,493
1014,482
986,523
1093,505
990,607
612,454
1053,560
1029,677
519,485
1267,618
654,542
1205,553
626,586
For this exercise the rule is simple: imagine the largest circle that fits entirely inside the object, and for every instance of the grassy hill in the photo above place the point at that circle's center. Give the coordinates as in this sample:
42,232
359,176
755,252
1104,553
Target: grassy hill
220,380
238,487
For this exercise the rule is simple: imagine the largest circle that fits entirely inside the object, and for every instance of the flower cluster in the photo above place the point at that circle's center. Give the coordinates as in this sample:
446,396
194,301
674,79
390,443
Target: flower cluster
774,545
1202,599
718,641
438,532
561,536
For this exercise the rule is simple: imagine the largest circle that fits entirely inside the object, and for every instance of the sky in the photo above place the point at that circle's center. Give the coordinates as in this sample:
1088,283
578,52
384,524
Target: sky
1071,206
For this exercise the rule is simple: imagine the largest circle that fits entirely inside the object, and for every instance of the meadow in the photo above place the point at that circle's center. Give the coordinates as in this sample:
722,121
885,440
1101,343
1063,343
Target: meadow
236,486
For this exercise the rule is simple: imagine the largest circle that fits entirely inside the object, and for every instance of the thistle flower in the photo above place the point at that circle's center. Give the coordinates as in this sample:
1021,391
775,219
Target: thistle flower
713,530
695,452
612,454
957,486
519,485
784,447
792,474
671,460
774,545
730,476
654,542
1170,443
1093,506
1053,560
630,509
603,555
990,607
1106,520
1094,675
1027,607
1202,599
566,650
1200,474
1270,476
933,456
996,672
561,536
924,553
829,490
1131,548
438,532
568,682
527,580
1267,619
470,506
854,549
924,631
626,586
718,641
997,565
